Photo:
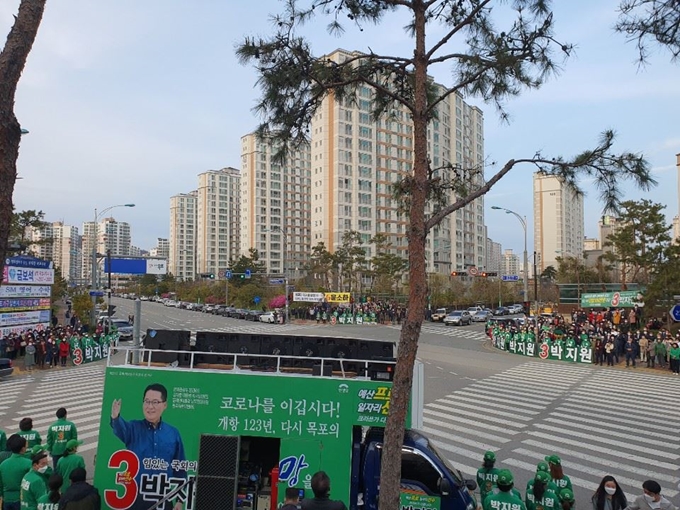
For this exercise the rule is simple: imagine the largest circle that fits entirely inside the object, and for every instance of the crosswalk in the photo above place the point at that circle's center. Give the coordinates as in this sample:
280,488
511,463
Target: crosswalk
262,327
598,421
78,389
452,331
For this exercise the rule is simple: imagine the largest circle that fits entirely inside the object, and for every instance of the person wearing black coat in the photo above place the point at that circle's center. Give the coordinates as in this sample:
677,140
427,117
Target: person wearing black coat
80,495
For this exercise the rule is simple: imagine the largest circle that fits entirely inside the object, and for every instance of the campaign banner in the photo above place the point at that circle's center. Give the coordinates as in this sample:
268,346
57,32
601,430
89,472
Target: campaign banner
23,328
24,261
25,304
156,266
89,350
303,425
27,291
350,318
337,297
308,297
19,318
623,299
12,274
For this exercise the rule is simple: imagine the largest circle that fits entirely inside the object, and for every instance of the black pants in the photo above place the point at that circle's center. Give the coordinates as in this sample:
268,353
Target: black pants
630,357
675,365
610,359
55,459
650,360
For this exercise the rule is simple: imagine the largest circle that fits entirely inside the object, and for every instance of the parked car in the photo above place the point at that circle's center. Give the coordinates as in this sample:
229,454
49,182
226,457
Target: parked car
458,318
481,316
501,310
474,309
6,368
253,315
438,315
269,317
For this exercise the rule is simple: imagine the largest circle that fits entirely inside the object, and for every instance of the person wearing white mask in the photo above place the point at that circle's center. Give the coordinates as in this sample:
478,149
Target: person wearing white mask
651,498
609,495
34,484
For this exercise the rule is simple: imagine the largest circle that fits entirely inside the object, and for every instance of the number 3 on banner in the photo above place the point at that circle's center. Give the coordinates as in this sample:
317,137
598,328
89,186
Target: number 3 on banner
126,479
77,356
544,351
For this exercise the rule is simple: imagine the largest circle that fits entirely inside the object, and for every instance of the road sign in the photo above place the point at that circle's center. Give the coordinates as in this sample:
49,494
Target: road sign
256,300
472,271
97,293
510,278
675,313
228,273
277,281
248,274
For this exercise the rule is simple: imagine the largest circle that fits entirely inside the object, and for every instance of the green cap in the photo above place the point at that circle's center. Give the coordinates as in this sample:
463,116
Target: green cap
542,466
37,449
73,443
490,456
505,477
542,476
553,459
566,495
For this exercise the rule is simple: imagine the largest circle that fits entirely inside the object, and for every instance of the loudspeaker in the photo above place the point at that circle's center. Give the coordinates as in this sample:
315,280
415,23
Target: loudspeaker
342,348
275,345
373,349
217,476
244,343
164,339
212,342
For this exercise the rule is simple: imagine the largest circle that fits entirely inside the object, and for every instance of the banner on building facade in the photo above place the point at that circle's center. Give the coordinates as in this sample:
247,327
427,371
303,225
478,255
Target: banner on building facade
18,330
308,297
623,299
29,276
24,304
25,291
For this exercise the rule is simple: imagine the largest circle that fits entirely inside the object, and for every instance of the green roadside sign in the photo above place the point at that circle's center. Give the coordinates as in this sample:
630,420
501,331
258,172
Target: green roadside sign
623,299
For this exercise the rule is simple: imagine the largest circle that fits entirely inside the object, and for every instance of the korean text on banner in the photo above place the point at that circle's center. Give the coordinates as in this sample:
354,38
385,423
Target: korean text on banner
24,291
28,276
308,297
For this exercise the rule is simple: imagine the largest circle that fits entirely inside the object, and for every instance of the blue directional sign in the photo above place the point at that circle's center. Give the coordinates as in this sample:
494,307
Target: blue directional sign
248,273
256,300
97,293
276,281
228,273
675,313
510,278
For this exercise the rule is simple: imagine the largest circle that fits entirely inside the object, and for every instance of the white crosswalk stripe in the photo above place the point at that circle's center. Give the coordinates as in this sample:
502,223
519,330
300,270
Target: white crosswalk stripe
452,331
599,422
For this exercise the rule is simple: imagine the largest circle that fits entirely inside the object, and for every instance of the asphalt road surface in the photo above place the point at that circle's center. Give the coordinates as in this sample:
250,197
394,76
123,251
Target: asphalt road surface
599,420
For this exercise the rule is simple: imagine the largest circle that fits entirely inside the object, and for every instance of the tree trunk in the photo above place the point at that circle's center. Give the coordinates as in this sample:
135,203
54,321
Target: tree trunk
12,61
390,474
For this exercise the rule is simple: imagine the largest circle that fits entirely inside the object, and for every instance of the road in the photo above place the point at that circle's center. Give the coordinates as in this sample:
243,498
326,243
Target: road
599,420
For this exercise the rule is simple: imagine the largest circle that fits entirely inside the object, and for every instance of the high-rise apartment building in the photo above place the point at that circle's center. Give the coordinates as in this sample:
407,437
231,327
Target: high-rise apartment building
161,250
61,244
275,205
217,219
558,221
182,241
111,235
355,160
494,255
511,264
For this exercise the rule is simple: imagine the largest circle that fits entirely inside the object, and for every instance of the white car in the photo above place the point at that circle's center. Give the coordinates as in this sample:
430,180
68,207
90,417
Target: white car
474,309
269,317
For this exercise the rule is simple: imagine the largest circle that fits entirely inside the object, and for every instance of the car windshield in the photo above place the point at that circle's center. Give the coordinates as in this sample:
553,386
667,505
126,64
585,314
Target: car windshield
121,324
457,476
455,314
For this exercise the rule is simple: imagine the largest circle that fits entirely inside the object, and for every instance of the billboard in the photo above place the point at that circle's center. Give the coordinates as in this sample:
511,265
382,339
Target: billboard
25,291
30,276
8,330
309,421
623,299
136,266
24,318
25,304
308,297
29,262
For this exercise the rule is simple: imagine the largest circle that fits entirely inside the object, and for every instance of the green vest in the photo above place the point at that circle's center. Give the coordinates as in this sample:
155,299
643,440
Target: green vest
33,487
66,465
59,433
12,471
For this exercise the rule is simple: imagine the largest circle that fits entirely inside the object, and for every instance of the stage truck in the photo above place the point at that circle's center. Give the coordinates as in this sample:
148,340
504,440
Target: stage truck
219,421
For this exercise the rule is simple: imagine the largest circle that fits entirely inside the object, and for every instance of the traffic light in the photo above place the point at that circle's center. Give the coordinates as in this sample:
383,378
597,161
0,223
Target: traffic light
242,276
486,275
457,273
212,276
494,273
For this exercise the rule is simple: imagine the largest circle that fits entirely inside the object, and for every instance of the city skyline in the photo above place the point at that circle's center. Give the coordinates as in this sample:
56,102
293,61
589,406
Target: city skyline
107,100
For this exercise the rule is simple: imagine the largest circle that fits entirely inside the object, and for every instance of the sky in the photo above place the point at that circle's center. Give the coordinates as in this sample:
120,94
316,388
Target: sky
128,101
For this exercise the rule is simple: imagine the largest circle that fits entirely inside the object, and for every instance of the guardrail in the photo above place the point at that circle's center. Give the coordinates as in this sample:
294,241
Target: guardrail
374,369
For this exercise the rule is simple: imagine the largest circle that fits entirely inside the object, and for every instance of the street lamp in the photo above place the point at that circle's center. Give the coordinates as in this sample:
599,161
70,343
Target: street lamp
93,268
523,221
283,262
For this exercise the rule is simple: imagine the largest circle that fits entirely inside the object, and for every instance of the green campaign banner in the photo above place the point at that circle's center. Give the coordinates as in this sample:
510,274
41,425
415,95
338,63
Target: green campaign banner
413,498
623,299
153,421
88,350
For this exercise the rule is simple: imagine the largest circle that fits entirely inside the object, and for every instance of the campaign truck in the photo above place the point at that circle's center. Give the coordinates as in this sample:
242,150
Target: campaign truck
191,425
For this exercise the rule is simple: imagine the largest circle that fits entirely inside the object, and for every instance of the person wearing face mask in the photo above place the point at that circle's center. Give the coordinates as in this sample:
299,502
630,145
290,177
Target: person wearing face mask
651,498
540,497
674,356
34,484
609,495
487,475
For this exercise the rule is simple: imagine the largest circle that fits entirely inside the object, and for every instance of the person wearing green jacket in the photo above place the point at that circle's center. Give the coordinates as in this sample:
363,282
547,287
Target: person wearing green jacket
487,475
3,441
660,352
674,357
58,434
540,496
70,461
12,472
542,466
50,501
34,484
506,496
26,430
561,480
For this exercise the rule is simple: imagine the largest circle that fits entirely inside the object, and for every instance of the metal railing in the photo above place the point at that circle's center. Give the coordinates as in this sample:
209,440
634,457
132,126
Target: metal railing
267,363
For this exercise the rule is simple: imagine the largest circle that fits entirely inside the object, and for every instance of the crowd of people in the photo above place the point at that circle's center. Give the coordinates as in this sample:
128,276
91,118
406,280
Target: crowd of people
50,476
50,347
613,335
380,312
551,488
